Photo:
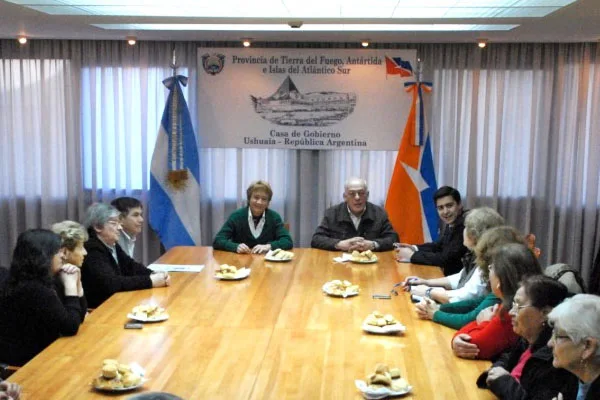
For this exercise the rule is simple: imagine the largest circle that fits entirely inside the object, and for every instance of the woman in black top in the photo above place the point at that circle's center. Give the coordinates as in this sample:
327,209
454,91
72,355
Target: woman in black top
32,315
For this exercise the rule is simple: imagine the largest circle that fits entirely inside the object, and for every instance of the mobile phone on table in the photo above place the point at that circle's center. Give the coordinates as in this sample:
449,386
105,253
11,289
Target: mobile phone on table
382,296
134,325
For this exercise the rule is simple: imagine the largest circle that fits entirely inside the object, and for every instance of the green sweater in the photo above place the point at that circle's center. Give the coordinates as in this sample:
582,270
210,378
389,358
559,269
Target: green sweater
456,315
236,230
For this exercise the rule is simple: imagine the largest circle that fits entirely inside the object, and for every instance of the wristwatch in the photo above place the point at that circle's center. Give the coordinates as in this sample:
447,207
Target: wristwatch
428,292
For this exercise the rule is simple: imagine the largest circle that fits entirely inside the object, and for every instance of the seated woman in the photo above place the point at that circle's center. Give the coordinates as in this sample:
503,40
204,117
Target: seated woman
466,284
575,344
107,269
487,339
458,314
31,314
73,236
525,371
254,228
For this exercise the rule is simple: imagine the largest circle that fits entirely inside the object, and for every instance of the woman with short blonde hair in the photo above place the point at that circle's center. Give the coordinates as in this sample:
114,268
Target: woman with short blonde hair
254,228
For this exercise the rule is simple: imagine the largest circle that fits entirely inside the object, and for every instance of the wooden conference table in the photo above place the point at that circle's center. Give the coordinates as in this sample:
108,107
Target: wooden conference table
274,335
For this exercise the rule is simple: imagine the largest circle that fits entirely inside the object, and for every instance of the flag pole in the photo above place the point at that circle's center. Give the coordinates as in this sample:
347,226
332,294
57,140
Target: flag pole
174,65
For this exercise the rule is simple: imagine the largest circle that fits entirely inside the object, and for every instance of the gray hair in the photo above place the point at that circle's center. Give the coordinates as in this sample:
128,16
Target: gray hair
355,180
71,233
480,220
579,317
98,214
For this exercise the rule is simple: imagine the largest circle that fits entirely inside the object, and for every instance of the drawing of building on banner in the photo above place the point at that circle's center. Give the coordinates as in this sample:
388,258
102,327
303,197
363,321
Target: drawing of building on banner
287,106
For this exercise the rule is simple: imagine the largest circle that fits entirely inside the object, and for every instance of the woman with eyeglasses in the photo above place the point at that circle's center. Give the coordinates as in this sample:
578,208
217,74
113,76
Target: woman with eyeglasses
487,339
526,370
575,343
32,315
107,269
481,308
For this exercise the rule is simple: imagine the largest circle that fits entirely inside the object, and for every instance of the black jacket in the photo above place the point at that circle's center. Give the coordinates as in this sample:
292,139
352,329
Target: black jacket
101,276
337,225
32,316
539,380
447,251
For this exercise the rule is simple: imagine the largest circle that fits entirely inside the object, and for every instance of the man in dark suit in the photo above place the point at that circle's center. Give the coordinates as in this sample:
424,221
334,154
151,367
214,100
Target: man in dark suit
448,250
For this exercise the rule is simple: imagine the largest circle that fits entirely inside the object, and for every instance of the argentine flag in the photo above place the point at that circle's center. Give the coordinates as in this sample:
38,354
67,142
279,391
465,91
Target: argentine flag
174,202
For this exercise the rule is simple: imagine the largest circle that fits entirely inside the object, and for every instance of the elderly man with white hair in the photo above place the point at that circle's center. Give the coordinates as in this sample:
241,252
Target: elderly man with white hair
575,343
355,224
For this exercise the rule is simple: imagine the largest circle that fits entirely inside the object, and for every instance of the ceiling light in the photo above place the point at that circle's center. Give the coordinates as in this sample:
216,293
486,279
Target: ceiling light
246,42
22,39
312,27
482,43
131,40
365,43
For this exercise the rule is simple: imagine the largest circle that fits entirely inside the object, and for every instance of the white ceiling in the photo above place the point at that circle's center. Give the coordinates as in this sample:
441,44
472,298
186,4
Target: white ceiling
576,22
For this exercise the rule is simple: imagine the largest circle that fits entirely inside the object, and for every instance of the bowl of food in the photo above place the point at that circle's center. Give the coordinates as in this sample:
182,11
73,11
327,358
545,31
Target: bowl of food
383,382
365,257
380,323
148,313
340,288
231,273
119,377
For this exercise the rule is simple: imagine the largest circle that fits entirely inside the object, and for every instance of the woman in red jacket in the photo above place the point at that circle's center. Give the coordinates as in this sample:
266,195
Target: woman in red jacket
487,339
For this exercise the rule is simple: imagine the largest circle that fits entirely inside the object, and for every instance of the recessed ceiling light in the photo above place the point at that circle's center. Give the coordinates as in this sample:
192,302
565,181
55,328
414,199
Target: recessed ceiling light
22,39
482,43
365,43
246,42
131,40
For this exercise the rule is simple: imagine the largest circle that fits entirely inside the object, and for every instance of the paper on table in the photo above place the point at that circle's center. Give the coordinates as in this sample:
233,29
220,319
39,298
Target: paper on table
345,257
175,268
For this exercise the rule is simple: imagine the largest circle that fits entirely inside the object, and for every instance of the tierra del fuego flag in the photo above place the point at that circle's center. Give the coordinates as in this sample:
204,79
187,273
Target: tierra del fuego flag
174,203
397,66
409,202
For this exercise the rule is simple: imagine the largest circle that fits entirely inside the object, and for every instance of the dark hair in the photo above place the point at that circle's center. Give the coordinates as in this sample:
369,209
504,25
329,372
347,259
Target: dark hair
125,204
446,191
544,291
512,263
32,257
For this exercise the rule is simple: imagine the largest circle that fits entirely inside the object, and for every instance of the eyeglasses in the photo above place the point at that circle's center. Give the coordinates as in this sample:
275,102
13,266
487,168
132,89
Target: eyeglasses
516,306
360,193
555,336
113,222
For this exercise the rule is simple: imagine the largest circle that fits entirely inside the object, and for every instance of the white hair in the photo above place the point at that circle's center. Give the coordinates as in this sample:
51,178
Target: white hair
579,317
355,180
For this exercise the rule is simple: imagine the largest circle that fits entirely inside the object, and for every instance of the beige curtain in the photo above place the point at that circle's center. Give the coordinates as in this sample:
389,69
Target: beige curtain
513,126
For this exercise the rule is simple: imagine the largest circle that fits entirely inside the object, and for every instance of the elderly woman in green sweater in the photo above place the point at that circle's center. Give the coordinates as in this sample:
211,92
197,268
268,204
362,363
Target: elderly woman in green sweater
254,228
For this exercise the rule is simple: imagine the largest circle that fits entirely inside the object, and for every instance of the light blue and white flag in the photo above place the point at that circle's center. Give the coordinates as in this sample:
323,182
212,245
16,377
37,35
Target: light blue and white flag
175,173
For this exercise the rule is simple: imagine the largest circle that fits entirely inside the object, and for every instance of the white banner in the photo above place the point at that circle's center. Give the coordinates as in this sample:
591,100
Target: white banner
323,99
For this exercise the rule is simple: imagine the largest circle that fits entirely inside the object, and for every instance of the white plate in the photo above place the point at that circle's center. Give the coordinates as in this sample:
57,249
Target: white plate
384,330
139,385
330,293
372,261
241,273
379,393
269,257
160,317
